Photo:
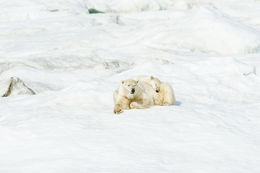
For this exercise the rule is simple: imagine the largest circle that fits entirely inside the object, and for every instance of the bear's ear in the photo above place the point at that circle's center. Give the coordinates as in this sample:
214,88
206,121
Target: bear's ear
151,77
123,81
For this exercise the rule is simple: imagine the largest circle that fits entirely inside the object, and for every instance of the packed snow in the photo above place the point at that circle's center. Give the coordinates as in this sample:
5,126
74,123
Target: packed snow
209,51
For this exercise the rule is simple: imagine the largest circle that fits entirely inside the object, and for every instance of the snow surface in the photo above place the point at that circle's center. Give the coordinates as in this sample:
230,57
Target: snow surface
209,51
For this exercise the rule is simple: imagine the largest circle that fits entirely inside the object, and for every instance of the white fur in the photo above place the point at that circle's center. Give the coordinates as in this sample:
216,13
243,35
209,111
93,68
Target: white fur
165,96
163,93
142,97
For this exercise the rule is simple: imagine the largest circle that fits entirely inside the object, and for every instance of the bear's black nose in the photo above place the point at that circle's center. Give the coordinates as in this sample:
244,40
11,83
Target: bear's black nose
157,91
132,91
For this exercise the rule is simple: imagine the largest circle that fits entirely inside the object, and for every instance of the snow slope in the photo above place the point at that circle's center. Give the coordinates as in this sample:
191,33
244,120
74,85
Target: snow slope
208,51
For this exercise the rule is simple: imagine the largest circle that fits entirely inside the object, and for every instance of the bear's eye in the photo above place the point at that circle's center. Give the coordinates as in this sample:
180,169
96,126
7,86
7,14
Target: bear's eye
129,85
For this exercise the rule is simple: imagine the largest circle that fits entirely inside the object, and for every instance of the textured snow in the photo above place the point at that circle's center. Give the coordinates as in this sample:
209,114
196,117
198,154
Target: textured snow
207,50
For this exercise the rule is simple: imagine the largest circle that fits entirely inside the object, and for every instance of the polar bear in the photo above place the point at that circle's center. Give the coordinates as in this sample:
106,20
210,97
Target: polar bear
133,94
164,94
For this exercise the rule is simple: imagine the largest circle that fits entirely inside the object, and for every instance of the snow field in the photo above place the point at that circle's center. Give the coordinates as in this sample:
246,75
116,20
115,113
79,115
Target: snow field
208,51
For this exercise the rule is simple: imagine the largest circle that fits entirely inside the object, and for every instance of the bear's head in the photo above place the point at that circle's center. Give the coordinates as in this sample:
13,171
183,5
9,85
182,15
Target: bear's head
155,82
130,87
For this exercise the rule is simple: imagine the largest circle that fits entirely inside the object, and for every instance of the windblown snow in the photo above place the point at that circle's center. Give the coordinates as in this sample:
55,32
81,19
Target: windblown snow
209,51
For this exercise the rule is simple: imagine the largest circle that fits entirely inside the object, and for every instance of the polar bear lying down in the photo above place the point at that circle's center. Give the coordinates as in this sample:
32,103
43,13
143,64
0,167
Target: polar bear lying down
142,92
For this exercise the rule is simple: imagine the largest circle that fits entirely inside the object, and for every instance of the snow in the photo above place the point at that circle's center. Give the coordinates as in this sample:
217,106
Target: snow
208,51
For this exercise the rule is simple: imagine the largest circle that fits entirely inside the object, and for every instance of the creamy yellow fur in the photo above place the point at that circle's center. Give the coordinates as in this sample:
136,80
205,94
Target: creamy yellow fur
163,95
124,99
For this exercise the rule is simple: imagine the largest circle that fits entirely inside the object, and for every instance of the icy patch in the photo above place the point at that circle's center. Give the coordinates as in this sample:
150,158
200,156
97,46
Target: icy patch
14,86
33,9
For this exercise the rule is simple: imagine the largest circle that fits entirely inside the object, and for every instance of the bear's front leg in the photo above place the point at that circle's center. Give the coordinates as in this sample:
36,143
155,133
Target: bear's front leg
122,104
117,109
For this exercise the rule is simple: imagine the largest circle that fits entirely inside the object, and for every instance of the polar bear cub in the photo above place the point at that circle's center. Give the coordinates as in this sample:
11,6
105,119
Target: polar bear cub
164,94
133,94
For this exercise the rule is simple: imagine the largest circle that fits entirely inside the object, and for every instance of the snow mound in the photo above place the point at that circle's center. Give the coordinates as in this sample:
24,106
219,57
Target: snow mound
212,31
205,30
